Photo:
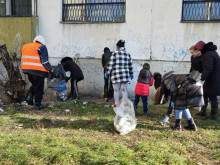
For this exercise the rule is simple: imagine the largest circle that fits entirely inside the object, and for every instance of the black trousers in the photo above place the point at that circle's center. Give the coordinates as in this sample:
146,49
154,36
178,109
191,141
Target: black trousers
74,88
37,88
108,87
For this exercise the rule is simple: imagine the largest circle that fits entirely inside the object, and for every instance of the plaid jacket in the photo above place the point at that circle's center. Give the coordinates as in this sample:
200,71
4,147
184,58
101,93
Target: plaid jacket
120,66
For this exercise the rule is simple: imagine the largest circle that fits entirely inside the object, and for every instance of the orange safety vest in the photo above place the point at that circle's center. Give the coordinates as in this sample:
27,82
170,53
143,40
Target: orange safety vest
30,58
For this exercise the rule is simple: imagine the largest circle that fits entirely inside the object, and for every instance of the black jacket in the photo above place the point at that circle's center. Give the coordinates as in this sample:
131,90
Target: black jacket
184,92
144,76
196,63
106,58
211,70
70,65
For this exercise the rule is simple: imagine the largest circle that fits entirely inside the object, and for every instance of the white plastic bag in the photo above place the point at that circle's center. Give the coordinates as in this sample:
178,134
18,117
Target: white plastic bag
125,120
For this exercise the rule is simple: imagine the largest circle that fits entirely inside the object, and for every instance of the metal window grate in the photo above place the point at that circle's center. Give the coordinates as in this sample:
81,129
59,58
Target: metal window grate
92,11
2,7
21,7
201,10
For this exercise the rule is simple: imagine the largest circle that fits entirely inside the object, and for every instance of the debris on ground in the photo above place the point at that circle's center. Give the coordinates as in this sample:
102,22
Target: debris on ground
67,110
1,110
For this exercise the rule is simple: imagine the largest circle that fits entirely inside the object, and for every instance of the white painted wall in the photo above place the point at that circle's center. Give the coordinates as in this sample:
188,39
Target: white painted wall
152,29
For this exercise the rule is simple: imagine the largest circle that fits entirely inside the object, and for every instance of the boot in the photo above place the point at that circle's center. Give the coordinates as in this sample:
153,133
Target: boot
178,125
38,106
203,111
191,125
29,99
213,115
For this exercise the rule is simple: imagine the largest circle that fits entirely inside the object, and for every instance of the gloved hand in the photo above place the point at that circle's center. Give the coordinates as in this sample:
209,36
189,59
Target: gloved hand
106,75
51,74
131,76
172,104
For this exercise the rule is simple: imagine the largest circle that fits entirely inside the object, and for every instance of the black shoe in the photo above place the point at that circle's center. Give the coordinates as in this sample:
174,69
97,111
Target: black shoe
212,117
39,107
30,100
191,125
146,114
177,126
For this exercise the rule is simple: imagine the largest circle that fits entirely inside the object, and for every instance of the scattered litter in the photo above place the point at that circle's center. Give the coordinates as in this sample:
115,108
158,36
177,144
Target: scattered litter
74,101
85,103
1,110
1,103
83,107
9,93
72,119
24,103
67,110
107,106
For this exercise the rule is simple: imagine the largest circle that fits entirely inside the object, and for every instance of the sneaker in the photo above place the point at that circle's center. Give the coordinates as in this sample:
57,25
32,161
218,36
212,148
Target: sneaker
39,107
114,106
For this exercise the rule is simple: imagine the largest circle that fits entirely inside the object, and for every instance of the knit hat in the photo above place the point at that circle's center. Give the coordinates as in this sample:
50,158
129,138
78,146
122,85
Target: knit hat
200,45
121,43
40,39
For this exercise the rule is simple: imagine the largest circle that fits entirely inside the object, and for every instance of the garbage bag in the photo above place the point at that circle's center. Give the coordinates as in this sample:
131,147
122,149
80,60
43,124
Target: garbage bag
62,95
60,86
125,120
59,72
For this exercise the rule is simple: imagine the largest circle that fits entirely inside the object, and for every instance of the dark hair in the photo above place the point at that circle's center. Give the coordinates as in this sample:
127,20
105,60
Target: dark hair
106,49
157,79
146,66
66,59
121,43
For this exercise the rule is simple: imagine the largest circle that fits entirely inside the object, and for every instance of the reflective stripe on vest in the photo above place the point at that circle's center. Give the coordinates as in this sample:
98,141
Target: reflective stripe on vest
30,59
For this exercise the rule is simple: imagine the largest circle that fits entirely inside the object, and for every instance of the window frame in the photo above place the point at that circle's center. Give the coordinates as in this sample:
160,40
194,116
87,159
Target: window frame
11,10
209,11
88,19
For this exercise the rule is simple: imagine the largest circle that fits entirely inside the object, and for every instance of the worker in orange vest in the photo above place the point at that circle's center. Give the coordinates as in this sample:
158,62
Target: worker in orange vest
34,63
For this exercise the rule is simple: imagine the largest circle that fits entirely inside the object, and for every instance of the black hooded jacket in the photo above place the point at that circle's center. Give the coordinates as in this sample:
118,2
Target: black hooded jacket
185,93
211,70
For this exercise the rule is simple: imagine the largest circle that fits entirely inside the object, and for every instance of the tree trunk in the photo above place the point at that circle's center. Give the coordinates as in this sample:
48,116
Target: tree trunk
14,86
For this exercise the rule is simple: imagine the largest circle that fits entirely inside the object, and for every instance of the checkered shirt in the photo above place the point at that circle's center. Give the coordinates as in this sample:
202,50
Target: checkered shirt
120,66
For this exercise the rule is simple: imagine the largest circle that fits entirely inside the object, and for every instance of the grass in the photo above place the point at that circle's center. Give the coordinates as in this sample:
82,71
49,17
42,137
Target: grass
86,135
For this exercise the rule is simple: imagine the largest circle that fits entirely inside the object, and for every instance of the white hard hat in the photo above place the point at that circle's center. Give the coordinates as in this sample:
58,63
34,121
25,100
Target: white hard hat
40,39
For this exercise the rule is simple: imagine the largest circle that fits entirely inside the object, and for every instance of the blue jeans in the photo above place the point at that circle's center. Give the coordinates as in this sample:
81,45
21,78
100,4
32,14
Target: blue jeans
144,101
186,113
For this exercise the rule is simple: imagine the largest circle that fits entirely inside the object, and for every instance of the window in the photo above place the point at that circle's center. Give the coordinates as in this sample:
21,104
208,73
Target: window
91,11
2,7
201,10
21,8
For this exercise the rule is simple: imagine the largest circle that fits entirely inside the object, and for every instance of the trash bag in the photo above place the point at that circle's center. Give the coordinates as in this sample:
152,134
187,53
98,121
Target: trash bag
61,90
125,120
59,72
61,95
60,86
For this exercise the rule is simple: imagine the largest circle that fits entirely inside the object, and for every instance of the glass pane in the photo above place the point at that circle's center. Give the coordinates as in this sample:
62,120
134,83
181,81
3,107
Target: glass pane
195,11
2,8
22,7
215,11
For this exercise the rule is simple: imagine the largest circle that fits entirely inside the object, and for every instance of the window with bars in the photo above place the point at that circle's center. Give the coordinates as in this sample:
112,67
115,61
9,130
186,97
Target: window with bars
201,10
93,11
2,7
21,8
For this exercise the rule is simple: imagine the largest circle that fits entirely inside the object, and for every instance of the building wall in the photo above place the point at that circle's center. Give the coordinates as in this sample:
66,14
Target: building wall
152,31
16,31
